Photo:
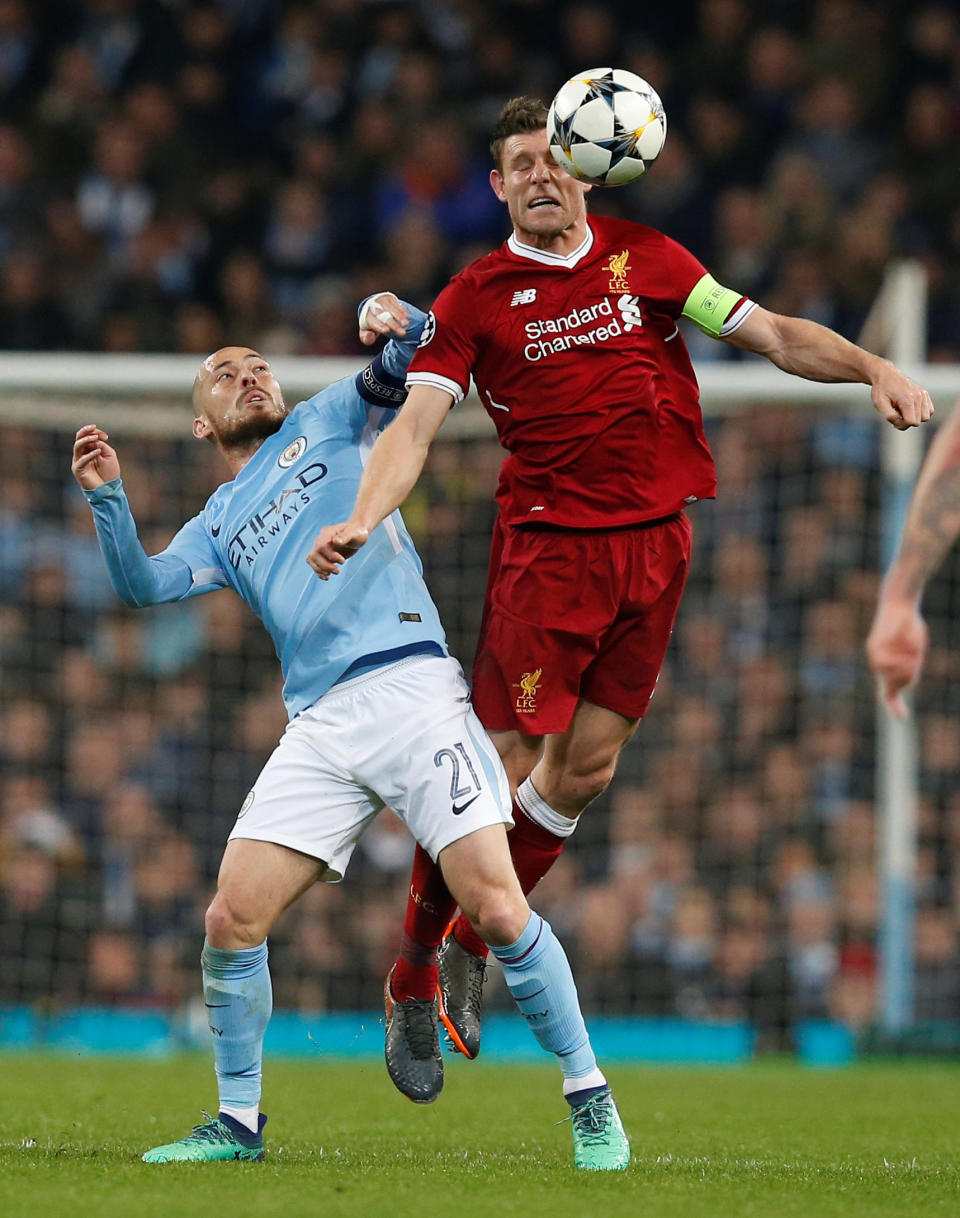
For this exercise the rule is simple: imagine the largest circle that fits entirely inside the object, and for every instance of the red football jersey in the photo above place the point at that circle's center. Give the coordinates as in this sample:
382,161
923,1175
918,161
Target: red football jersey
579,362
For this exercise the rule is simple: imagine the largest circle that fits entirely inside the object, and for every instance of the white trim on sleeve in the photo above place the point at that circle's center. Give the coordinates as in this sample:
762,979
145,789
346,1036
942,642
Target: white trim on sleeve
737,317
438,382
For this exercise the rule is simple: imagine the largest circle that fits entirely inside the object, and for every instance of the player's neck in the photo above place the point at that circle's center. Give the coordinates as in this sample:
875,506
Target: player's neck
237,455
562,243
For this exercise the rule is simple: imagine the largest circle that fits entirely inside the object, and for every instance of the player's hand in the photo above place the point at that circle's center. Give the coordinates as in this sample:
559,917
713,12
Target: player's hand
900,400
896,646
333,545
94,461
382,314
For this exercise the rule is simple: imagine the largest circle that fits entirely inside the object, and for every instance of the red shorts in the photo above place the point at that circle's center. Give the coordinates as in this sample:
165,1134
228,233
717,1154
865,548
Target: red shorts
576,614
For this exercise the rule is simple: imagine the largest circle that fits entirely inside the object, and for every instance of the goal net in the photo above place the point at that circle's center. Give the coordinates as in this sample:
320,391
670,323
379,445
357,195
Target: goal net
729,873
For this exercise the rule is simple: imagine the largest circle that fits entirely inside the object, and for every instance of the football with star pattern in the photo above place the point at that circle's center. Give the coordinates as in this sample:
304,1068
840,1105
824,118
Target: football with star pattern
606,126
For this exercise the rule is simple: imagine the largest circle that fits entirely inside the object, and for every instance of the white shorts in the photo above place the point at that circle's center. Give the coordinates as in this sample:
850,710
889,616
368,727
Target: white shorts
404,736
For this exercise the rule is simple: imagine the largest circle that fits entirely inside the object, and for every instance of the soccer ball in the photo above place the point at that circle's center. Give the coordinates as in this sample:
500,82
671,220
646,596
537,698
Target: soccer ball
606,126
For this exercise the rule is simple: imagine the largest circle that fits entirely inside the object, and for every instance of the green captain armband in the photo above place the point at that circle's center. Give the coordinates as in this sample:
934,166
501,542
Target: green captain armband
710,304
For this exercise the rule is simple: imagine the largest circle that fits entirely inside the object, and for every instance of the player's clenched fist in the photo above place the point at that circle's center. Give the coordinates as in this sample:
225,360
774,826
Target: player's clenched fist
94,461
333,544
381,316
900,400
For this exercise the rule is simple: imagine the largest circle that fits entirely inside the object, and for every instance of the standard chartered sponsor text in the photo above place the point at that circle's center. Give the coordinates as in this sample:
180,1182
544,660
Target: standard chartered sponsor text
562,326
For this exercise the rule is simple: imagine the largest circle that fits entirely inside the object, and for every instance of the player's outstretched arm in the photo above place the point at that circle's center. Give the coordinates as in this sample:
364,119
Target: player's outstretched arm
897,641
807,349
388,477
94,461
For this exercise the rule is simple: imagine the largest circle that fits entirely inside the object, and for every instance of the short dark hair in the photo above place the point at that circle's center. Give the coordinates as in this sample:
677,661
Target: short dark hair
519,115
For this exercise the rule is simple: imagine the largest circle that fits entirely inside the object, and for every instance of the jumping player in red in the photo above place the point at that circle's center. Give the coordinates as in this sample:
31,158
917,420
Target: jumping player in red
570,331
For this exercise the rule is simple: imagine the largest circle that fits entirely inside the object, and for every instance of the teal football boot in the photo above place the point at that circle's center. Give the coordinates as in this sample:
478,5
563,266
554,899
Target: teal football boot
218,1138
599,1141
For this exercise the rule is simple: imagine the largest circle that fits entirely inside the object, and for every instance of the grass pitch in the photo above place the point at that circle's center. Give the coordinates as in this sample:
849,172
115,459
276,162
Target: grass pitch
768,1139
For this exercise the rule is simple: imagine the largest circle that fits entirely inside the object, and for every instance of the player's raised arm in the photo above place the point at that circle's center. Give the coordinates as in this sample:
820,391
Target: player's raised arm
137,578
816,353
389,476
897,641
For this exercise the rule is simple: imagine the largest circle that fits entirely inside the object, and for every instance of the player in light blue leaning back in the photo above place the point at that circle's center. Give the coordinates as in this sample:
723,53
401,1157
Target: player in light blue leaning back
379,715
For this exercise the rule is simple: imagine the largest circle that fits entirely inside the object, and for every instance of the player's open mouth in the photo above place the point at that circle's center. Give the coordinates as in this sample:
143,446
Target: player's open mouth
542,201
254,396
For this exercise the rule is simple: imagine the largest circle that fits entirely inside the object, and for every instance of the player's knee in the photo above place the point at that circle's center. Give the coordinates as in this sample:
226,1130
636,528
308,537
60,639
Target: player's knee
226,928
500,917
577,787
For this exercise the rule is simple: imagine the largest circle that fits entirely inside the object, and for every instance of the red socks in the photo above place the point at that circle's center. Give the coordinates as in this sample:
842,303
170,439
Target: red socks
534,850
430,907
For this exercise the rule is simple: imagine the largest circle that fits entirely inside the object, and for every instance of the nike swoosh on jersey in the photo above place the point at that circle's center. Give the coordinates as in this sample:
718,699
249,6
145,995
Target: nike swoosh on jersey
215,530
457,809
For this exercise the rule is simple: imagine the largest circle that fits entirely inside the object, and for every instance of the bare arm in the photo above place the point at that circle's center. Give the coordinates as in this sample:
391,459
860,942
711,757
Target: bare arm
897,641
389,476
807,349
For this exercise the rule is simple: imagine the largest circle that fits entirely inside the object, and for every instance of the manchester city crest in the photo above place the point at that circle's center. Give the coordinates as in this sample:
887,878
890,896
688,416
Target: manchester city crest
292,453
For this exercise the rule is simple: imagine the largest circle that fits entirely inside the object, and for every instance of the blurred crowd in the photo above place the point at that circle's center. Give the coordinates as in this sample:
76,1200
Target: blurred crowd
175,174
172,172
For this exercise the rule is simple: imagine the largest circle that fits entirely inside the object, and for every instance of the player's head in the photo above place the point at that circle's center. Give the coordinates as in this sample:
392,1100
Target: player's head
236,399
543,199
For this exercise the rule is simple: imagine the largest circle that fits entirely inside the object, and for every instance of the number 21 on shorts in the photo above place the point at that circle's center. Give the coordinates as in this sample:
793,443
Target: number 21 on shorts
465,785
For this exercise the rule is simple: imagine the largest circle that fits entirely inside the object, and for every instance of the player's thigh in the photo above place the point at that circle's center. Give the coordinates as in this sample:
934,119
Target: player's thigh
555,594
519,754
435,765
306,798
592,742
258,880
479,873
624,674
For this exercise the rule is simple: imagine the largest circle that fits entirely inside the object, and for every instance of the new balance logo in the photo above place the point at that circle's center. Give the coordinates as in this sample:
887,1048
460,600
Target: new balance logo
524,296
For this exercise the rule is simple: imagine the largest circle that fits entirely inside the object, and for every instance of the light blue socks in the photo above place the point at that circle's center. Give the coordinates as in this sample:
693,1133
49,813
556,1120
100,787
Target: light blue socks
538,976
239,1001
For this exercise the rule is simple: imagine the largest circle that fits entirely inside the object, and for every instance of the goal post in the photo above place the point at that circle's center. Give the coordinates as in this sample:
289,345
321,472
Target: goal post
897,327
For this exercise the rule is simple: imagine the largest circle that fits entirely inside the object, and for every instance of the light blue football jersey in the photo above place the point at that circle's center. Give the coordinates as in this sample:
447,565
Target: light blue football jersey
254,534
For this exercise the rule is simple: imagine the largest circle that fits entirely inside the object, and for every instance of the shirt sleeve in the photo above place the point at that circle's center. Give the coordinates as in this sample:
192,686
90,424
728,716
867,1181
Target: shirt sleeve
189,566
448,345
